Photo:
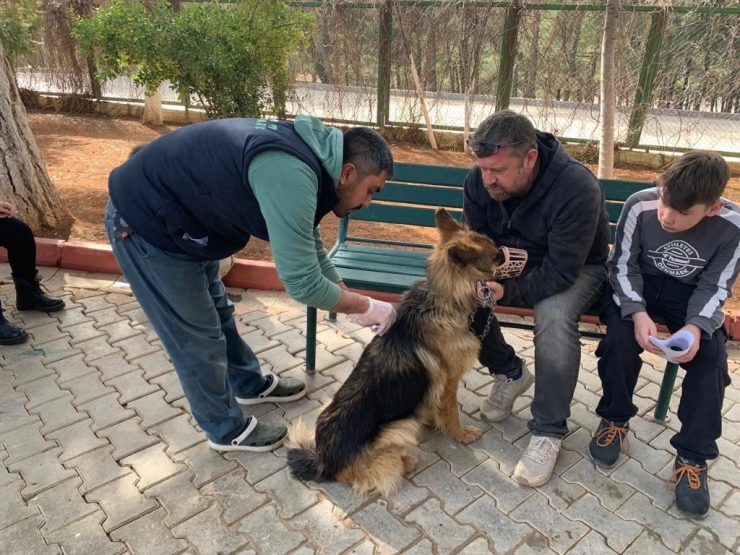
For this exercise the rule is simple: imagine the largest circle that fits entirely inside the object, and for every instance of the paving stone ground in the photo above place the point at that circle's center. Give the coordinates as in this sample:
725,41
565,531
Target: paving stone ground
99,454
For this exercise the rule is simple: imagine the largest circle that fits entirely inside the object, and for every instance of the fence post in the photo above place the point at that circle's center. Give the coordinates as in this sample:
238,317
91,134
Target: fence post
385,40
508,54
648,72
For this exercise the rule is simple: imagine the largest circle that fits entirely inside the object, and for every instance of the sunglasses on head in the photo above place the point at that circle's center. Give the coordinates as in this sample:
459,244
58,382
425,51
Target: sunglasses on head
485,148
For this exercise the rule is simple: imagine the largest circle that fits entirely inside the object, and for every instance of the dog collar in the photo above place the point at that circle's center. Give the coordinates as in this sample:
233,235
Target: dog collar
484,295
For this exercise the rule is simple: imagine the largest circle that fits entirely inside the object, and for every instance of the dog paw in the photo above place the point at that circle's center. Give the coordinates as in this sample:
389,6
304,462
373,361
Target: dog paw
409,463
468,434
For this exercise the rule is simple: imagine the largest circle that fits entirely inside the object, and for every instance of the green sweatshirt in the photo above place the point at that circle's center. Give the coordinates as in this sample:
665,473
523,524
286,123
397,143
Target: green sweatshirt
297,248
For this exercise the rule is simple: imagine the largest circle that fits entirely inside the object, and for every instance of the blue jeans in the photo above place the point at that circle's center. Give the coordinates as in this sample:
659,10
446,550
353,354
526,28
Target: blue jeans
186,303
557,350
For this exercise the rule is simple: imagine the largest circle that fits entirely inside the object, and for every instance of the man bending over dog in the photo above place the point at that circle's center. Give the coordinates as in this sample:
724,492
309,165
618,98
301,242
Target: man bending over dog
195,196
526,192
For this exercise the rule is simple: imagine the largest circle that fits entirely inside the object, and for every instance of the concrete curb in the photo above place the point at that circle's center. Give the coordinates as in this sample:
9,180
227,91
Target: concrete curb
246,274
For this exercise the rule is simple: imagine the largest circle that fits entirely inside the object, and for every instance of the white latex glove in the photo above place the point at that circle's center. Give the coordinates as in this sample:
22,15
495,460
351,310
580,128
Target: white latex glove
380,314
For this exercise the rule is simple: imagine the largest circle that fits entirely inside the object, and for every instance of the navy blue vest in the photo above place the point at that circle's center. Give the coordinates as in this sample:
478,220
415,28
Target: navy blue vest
188,191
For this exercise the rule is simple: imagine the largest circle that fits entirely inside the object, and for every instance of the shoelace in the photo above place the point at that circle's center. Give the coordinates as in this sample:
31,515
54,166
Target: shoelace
541,449
498,391
606,436
692,473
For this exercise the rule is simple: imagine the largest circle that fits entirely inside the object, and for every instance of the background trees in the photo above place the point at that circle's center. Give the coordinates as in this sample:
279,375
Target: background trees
232,59
23,177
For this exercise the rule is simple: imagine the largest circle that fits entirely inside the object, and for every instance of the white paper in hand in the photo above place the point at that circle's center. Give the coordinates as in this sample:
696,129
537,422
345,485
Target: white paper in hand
675,346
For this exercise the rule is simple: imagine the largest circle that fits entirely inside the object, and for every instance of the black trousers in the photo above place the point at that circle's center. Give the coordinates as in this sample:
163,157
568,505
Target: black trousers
495,353
17,238
703,388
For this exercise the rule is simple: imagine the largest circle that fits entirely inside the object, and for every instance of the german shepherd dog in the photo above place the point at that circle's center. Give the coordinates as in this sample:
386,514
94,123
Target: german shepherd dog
405,378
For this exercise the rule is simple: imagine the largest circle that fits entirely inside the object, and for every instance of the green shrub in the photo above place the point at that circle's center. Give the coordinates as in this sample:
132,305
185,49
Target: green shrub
18,24
232,57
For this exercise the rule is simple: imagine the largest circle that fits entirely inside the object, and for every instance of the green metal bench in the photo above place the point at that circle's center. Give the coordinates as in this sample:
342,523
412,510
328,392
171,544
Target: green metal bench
389,266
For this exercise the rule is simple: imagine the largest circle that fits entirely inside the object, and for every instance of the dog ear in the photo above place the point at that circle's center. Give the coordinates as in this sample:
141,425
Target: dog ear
472,255
446,224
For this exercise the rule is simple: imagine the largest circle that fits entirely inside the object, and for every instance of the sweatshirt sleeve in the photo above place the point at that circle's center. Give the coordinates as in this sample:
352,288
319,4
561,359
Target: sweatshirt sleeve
286,190
714,286
576,213
625,276
327,266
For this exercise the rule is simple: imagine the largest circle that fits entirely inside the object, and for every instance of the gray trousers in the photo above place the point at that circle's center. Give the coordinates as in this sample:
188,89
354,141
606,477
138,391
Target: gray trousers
557,353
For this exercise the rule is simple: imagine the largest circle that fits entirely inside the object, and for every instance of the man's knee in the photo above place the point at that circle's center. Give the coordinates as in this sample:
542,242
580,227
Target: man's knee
712,353
556,309
556,315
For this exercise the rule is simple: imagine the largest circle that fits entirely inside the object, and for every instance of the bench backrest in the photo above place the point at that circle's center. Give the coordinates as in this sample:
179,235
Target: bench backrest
416,191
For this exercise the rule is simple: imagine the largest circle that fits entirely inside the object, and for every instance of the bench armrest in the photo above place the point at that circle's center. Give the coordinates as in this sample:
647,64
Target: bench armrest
341,235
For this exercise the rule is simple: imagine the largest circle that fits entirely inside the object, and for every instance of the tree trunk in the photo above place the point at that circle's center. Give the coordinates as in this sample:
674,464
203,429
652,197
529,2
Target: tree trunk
530,87
23,178
606,115
153,107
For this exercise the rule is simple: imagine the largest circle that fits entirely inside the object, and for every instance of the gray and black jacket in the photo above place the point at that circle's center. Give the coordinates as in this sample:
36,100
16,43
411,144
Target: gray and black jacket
707,256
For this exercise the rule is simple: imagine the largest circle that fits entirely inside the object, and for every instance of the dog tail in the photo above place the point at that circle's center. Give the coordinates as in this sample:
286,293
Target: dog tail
302,453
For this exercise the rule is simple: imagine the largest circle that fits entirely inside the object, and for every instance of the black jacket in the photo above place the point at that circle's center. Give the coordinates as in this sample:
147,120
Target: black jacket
562,223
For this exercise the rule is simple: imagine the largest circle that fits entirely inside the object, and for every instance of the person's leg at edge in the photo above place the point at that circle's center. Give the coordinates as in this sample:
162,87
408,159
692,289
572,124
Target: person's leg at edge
557,360
21,253
173,292
17,237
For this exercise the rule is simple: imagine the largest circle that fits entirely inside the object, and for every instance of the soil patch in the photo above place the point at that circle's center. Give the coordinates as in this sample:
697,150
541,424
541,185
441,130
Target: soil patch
81,150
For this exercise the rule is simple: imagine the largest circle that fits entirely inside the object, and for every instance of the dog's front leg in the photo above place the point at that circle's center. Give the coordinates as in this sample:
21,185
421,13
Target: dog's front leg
448,416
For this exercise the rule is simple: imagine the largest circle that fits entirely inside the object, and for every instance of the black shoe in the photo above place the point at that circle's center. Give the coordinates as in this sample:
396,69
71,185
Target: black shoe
10,334
609,441
30,296
689,479
257,437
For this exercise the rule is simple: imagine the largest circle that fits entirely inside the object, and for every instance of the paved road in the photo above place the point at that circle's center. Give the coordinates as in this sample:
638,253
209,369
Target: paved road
667,128
100,455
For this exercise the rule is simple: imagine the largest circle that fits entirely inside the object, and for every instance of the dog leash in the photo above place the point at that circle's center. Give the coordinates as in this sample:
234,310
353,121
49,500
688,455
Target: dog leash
485,298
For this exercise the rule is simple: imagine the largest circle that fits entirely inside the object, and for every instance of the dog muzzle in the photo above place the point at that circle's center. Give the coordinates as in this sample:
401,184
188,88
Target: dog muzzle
514,262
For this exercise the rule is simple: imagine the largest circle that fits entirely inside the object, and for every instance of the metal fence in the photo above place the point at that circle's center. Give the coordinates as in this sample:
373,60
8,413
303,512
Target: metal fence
677,74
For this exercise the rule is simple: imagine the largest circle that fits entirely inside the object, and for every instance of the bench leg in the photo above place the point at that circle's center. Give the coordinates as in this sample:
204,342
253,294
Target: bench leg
310,366
666,390
332,317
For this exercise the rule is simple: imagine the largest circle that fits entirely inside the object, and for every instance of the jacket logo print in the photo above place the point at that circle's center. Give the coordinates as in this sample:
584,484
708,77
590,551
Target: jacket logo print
676,258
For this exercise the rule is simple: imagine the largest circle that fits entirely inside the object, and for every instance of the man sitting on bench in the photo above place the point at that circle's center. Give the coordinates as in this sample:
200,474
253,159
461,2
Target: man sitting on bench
526,192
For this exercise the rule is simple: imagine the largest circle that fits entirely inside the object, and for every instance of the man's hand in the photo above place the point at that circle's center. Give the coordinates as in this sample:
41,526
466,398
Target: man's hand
645,327
380,313
497,290
7,210
689,356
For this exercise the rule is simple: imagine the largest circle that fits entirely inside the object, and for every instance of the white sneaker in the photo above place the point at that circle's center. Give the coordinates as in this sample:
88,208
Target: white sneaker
535,466
503,394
